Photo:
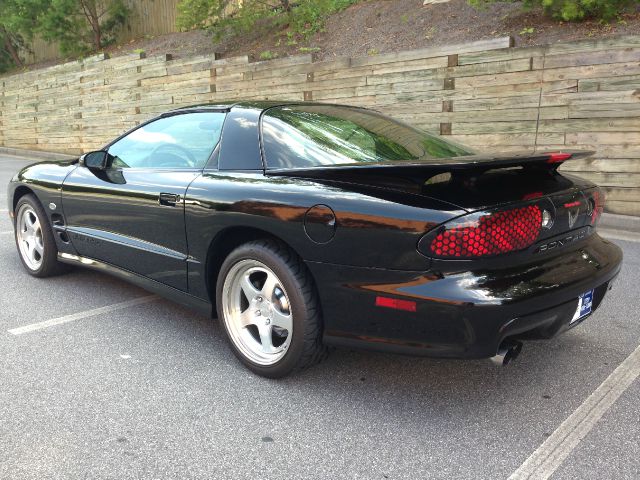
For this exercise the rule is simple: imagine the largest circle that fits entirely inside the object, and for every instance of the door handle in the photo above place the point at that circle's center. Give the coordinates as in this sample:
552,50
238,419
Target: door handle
169,199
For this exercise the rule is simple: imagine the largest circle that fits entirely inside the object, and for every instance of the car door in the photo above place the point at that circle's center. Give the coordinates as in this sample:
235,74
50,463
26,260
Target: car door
131,214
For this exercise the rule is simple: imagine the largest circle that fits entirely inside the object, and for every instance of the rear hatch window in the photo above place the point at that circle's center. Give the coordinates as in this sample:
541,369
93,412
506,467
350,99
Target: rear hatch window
316,135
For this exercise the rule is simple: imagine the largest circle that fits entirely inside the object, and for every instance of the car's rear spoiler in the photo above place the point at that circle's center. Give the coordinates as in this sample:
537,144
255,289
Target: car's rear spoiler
465,165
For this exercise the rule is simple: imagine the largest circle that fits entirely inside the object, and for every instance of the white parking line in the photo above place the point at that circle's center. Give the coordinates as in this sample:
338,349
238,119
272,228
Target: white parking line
550,455
8,232
81,315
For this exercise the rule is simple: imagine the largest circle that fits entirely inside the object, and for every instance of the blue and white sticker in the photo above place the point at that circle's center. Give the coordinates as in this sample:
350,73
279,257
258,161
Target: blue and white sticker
585,302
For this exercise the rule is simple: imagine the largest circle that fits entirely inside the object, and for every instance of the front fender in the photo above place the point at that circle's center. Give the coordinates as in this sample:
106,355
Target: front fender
44,180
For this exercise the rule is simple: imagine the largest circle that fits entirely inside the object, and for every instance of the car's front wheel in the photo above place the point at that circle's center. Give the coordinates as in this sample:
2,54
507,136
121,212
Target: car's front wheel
34,239
269,308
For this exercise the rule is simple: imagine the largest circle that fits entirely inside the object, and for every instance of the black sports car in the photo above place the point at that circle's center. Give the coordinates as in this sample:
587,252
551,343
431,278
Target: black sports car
309,225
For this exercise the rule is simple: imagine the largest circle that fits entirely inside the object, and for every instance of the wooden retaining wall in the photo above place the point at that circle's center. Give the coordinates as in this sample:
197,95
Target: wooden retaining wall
582,94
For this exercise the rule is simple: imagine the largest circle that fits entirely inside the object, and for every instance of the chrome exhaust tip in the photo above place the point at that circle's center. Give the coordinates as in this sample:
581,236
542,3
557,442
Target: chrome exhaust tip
507,352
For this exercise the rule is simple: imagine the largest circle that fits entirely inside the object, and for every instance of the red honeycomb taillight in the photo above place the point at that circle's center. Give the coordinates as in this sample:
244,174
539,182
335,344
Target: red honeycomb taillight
489,234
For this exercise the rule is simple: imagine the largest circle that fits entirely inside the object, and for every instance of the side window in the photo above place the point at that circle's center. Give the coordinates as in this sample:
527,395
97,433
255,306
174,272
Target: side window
179,141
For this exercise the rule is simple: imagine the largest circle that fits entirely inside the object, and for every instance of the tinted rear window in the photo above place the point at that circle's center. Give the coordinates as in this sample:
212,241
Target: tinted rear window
311,136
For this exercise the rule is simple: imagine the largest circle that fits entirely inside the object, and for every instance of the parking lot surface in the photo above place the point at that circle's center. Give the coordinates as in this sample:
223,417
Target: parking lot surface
153,391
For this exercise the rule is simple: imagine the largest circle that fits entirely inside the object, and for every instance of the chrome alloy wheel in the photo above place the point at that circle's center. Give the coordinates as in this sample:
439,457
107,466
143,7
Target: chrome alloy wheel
257,312
29,236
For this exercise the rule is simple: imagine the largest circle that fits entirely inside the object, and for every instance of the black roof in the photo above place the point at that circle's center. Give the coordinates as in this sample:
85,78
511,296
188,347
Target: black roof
250,104
254,104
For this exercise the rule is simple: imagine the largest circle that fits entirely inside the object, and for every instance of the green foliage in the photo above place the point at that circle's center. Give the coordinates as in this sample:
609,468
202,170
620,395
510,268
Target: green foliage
62,23
303,18
309,16
194,14
527,31
6,61
572,10
575,10
17,24
82,26
291,38
116,15
222,15
19,16
268,55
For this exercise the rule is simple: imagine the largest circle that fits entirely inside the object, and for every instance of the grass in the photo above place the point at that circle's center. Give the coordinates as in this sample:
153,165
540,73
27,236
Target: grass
268,55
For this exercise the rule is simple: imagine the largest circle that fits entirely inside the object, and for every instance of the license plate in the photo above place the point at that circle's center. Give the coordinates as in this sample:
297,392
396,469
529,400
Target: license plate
585,301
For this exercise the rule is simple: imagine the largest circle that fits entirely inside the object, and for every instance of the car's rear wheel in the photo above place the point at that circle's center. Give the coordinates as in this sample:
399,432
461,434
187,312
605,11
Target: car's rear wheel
269,308
34,239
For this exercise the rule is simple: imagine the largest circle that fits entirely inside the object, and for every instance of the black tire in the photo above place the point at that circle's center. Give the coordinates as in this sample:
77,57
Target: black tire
49,265
305,348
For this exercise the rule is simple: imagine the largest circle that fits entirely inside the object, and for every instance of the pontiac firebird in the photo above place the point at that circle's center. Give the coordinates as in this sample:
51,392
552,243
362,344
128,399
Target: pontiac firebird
304,226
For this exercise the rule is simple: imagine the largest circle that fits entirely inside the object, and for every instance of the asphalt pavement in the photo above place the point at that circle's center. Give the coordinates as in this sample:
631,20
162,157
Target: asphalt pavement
152,391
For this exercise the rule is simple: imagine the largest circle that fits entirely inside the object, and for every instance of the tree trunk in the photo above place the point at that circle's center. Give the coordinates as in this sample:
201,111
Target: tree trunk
11,48
90,11
97,37
286,5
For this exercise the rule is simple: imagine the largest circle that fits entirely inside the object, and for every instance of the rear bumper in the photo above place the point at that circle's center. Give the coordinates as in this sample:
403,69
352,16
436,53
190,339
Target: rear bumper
462,314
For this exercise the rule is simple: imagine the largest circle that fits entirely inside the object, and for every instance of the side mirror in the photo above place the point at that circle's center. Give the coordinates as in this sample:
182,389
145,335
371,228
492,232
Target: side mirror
96,160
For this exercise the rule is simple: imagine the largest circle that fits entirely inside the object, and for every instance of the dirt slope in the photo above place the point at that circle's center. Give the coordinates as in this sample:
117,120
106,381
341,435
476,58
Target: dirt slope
380,26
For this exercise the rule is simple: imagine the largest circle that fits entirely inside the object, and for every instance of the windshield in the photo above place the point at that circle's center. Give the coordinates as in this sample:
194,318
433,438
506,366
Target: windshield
316,135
